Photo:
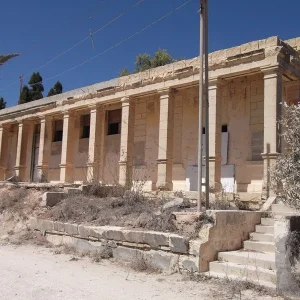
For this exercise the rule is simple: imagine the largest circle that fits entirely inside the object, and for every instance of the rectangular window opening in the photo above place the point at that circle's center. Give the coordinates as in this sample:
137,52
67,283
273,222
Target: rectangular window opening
58,131
114,122
85,126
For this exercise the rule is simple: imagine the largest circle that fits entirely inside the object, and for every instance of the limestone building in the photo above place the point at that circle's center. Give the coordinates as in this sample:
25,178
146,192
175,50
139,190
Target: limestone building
145,126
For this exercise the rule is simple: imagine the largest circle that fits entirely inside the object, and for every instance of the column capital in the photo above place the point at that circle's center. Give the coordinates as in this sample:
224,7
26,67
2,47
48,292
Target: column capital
272,71
45,118
93,107
216,82
165,91
126,100
68,114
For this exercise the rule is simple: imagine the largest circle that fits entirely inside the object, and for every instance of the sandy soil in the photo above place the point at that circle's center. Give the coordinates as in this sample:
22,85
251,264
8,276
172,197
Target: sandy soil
34,273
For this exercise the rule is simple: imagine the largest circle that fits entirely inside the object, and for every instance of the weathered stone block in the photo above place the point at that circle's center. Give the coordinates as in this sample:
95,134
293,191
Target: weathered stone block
59,226
188,264
71,229
83,231
52,198
252,46
178,244
194,247
272,41
156,239
163,261
126,254
113,233
133,236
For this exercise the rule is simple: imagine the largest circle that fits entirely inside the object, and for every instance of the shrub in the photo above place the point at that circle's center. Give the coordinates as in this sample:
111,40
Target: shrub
285,177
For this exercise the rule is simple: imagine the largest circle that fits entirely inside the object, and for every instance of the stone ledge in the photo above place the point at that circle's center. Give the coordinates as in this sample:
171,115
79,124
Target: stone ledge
167,242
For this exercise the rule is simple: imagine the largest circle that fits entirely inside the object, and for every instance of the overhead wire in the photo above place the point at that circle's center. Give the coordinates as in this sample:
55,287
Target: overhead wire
82,41
121,42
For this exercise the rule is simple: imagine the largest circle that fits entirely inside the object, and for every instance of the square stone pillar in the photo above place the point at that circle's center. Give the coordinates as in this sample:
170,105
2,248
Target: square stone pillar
215,133
27,150
272,114
127,142
18,166
44,148
165,142
3,151
97,118
67,149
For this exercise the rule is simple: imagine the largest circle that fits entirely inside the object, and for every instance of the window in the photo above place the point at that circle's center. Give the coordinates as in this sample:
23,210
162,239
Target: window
85,126
114,122
58,131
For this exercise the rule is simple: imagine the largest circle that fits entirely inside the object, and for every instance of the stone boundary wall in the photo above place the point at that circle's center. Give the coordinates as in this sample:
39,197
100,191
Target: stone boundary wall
287,282
167,252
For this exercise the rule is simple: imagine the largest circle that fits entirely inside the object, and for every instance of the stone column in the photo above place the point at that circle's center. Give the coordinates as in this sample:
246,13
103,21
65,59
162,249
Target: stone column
67,149
96,133
165,142
3,151
215,133
272,114
127,142
27,151
19,149
44,148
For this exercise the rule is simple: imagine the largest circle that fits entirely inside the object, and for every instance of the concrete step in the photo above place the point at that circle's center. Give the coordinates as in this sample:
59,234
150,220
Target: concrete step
251,273
261,237
281,208
264,229
263,260
259,246
267,221
235,278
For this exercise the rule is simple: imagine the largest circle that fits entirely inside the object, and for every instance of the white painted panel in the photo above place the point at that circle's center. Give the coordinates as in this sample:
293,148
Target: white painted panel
227,178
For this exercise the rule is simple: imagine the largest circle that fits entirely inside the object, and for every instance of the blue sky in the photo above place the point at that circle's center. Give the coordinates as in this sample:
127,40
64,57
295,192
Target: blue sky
40,30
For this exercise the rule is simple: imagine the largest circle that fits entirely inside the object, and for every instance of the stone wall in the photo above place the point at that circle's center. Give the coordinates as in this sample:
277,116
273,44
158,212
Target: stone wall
287,283
165,251
170,252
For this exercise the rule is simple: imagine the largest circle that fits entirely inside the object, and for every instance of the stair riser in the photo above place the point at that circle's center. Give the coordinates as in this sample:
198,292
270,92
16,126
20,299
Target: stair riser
252,275
260,247
264,229
267,221
261,237
247,261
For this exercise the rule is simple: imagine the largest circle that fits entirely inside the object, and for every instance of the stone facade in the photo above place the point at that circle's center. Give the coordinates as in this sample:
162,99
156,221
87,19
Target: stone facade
145,126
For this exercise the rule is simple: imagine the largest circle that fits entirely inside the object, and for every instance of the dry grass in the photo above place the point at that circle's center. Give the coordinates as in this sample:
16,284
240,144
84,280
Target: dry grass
126,212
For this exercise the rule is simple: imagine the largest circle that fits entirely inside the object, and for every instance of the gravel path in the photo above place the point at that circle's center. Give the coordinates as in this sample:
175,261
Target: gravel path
35,273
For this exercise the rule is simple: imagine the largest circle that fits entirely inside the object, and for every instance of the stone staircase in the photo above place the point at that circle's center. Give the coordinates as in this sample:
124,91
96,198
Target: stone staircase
256,261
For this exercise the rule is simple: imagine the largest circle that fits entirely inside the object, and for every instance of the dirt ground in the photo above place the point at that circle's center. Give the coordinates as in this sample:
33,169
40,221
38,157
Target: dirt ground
34,273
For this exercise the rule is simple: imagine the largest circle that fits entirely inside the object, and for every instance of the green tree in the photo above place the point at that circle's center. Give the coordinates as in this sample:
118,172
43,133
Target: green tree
57,89
124,72
143,62
2,103
25,95
37,88
161,57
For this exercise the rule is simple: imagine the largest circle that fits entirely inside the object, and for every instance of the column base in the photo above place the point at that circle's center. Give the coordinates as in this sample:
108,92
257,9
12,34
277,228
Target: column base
164,175
125,174
215,174
269,165
19,170
2,173
66,173
43,173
